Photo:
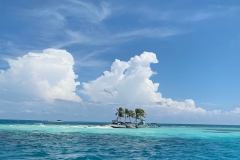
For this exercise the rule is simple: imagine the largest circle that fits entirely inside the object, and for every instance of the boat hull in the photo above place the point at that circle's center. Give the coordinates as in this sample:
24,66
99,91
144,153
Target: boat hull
118,126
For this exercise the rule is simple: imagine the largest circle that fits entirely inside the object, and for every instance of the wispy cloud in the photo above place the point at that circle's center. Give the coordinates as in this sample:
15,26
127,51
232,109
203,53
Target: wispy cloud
210,12
150,32
75,22
89,59
78,10
92,12
87,16
185,15
9,49
198,16
98,39
54,25
72,38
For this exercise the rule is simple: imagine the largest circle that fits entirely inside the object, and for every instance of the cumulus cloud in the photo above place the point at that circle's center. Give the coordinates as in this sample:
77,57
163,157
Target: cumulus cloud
236,111
46,76
126,82
129,83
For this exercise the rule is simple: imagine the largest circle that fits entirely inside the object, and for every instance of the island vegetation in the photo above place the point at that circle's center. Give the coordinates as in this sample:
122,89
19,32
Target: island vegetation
138,114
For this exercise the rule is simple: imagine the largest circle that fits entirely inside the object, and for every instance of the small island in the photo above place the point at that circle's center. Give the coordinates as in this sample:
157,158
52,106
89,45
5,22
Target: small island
137,115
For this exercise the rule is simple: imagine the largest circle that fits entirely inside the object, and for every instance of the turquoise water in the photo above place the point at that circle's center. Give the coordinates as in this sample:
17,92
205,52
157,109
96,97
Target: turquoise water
82,140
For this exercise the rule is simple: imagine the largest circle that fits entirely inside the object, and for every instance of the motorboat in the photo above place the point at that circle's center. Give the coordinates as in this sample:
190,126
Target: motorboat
118,126
130,125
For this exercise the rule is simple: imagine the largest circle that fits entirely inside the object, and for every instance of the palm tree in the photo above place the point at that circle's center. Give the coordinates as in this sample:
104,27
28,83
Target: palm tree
142,113
120,113
139,113
126,113
131,114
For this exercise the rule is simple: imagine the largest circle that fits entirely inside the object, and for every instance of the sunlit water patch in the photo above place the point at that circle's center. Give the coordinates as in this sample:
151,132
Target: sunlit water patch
78,140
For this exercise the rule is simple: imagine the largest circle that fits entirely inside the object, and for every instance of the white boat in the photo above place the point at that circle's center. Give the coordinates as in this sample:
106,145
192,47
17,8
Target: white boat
118,126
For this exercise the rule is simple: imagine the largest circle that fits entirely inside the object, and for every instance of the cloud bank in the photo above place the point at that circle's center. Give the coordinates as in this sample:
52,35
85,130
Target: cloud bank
129,83
49,76
42,76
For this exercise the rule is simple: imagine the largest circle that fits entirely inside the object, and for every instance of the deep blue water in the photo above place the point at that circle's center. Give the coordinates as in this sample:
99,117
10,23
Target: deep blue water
88,140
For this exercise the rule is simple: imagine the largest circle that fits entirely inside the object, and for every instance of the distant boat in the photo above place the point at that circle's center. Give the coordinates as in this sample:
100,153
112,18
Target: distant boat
58,120
153,125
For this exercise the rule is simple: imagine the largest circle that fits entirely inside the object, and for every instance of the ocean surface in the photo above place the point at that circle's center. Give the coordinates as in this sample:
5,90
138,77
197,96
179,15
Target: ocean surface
87,140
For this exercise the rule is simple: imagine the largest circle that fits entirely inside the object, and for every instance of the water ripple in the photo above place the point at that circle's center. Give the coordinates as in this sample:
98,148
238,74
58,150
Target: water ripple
20,144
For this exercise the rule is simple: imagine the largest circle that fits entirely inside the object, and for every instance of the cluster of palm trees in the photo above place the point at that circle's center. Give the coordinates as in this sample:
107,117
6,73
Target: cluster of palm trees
139,113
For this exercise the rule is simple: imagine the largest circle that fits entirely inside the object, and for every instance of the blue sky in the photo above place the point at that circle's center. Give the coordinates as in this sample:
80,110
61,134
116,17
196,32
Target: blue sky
196,44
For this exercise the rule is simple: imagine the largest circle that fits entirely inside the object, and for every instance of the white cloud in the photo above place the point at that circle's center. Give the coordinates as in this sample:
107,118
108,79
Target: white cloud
27,111
214,112
46,76
179,107
60,12
90,30
56,23
198,16
150,32
75,22
89,59
92,12
236,111
129,83
131,77
49,75
105,38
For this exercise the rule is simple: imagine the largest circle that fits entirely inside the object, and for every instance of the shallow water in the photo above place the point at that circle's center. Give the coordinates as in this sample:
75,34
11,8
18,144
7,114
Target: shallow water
85,140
